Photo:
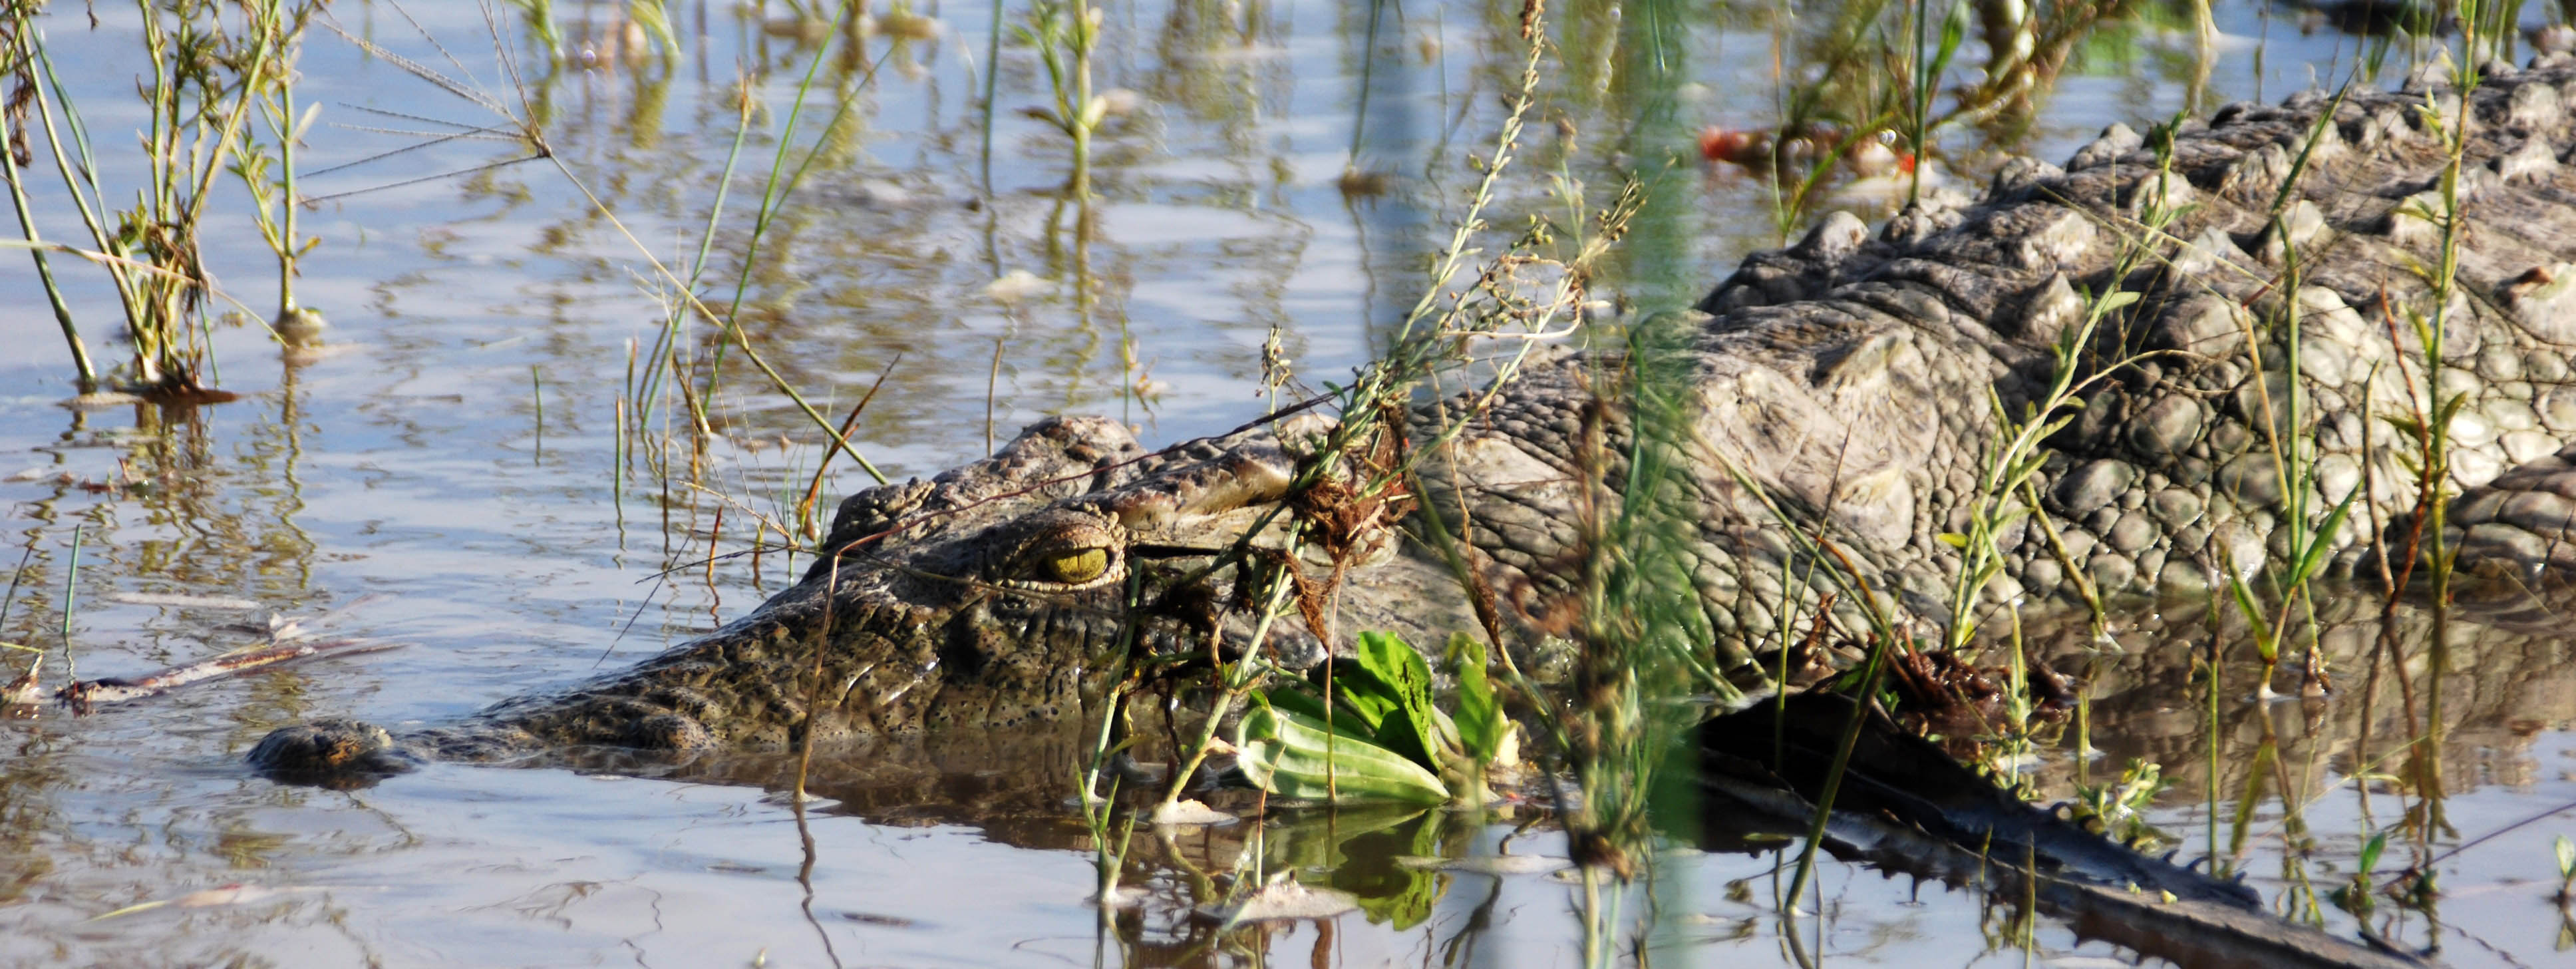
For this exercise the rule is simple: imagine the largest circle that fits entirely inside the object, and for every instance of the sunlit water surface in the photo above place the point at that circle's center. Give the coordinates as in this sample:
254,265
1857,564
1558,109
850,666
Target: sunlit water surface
451,454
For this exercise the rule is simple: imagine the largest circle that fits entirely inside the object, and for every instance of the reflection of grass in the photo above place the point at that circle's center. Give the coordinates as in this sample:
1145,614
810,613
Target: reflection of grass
71,585
1872,66
648,20
1065,36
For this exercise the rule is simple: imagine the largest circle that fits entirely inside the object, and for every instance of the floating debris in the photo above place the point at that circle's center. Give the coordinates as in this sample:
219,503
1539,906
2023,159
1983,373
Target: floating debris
23,689
1361,183
279,627
1016,286
1190,812
879,193
1488,864
1123,896
888,921
1283,898
103,398
233,894
176,600
813,802
1119,102
300,328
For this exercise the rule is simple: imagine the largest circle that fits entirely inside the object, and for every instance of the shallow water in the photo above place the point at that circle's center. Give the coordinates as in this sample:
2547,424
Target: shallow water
453,453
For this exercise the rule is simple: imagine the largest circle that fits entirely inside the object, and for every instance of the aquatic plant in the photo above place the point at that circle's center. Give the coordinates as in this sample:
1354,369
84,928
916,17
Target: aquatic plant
2564,853
2016,452
2117,808
267,169
206,76
2358,896
2427,426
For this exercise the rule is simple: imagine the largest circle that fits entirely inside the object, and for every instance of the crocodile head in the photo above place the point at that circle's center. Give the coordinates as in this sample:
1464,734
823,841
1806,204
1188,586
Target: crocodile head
996,594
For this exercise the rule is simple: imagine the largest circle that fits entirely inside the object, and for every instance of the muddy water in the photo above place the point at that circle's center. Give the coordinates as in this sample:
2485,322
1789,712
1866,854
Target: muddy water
451,454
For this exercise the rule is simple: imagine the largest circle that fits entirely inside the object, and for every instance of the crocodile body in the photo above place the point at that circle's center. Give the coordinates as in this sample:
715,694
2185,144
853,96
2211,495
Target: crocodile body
1839,387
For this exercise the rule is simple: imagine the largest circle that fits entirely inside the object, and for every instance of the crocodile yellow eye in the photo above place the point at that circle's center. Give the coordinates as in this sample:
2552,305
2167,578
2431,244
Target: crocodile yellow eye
1077,567
1056,550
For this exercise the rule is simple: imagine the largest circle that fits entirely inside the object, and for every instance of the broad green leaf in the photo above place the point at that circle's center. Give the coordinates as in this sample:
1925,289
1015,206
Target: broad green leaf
1294,755
1357,691
1480,719
1296,700
1407,728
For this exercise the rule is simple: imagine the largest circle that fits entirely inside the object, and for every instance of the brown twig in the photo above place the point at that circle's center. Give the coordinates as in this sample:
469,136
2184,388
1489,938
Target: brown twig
111,689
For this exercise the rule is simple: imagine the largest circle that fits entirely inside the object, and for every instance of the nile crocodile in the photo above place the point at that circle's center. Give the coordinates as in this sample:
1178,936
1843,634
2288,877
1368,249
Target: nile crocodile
1838,387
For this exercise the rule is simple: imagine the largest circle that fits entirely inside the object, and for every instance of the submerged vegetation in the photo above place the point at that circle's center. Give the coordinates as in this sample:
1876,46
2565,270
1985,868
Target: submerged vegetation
1549,204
